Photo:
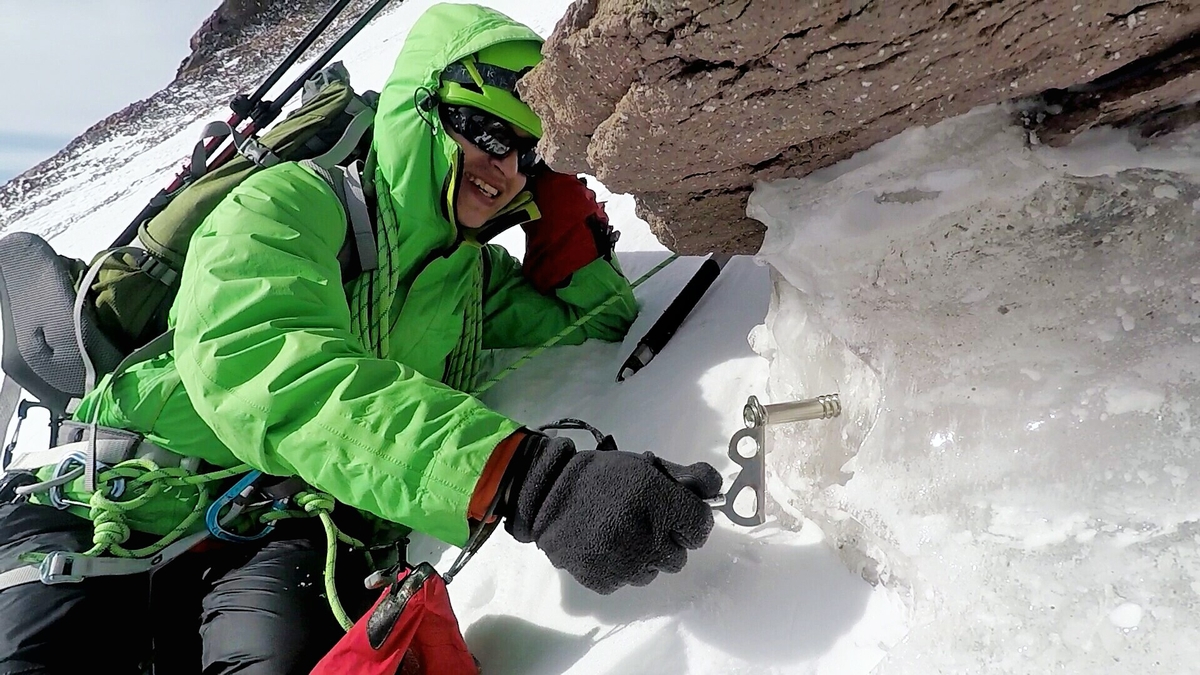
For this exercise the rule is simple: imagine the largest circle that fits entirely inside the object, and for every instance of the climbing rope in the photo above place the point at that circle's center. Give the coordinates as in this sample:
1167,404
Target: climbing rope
320,504
144,480
569,329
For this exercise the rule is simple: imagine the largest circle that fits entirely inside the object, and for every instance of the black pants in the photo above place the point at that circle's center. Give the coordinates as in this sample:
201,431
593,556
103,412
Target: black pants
254,609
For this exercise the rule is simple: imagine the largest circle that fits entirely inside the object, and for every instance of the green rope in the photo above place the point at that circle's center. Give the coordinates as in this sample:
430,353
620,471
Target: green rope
145,480
321,504
569,329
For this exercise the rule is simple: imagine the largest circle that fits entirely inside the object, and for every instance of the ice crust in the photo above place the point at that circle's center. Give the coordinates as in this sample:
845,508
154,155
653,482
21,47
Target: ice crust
1014,332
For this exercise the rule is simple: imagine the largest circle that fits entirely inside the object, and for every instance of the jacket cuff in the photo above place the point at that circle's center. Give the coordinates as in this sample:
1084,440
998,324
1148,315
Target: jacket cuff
488,487
534,470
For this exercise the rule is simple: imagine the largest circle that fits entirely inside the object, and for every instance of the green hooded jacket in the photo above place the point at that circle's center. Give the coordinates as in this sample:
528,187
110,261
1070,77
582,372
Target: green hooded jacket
279,364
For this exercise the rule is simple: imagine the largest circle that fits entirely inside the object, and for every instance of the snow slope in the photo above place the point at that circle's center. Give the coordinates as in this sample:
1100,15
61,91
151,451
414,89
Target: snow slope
770,600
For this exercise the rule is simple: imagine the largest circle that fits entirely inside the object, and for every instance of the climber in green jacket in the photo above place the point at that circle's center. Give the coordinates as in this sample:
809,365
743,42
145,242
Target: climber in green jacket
359,386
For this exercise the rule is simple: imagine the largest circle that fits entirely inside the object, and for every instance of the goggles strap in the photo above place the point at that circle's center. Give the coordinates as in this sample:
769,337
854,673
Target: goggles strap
492,76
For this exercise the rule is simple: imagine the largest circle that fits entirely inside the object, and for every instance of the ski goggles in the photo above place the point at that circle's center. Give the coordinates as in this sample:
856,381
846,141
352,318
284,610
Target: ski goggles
492,135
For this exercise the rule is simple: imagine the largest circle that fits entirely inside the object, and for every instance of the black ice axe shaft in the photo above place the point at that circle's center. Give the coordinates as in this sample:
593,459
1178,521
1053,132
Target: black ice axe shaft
670,321
253,107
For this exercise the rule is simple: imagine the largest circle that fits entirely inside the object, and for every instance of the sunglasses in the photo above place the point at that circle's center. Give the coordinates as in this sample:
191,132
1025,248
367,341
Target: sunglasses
492,135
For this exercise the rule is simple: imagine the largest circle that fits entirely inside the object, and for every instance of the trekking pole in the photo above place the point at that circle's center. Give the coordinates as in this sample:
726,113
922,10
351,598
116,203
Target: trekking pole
321,62
244,107
656,338
266,113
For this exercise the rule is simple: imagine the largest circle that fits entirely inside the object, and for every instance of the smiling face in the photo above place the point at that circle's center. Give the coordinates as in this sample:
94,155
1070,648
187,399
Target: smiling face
489,183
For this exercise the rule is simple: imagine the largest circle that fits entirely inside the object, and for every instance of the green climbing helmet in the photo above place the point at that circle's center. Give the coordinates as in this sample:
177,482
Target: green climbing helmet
488,80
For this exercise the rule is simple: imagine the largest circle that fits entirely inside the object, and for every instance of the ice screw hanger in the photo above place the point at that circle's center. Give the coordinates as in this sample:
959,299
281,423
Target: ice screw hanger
753,475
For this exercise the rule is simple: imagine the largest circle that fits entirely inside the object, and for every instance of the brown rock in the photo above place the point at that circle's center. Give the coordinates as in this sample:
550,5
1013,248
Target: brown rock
1146,92
685,103
233,20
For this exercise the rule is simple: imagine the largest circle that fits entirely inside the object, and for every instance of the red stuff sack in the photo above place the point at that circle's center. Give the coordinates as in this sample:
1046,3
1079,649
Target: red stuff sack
411,630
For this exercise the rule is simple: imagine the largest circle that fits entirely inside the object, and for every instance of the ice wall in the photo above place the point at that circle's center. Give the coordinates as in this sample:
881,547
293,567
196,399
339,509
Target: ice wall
1015,334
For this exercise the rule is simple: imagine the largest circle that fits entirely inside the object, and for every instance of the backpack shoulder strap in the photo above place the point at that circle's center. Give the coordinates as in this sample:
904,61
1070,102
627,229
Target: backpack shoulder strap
346,183
148,263
362,117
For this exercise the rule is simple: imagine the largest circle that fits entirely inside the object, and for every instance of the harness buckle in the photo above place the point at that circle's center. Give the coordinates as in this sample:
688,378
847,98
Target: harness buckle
155,268
60,567
258,153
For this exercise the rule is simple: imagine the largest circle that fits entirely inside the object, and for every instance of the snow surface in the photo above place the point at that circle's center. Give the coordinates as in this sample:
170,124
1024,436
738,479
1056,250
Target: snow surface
1015,334
1012,468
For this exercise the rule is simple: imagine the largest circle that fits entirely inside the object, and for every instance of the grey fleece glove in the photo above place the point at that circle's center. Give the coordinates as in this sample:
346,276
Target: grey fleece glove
609,518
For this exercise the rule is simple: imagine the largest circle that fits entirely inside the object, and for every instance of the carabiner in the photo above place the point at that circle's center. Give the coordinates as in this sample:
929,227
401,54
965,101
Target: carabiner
237,498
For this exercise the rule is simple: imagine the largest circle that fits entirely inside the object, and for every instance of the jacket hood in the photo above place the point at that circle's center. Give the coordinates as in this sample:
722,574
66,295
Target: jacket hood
416,158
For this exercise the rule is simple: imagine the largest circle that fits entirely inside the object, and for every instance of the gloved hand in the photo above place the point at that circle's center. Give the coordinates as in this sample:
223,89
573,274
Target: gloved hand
609,518
572,232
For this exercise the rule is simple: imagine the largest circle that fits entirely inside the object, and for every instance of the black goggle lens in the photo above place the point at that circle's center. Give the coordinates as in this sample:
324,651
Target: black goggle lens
492,135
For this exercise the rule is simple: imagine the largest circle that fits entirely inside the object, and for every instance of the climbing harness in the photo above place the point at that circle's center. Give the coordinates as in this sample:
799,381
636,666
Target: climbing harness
141,480
125,487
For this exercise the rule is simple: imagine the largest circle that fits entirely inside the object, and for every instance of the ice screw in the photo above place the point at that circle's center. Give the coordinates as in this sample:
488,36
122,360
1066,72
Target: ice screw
753,474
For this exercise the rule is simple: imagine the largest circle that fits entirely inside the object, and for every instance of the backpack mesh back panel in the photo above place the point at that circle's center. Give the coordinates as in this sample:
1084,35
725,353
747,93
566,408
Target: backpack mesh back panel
37,299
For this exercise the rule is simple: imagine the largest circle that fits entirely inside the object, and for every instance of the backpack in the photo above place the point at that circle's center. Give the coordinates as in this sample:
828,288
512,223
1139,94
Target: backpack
132,290
67,322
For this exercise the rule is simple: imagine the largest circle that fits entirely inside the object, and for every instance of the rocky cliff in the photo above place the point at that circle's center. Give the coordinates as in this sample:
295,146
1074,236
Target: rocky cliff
686,103
236,21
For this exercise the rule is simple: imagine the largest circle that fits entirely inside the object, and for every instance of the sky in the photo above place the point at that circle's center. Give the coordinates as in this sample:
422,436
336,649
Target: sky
75,62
